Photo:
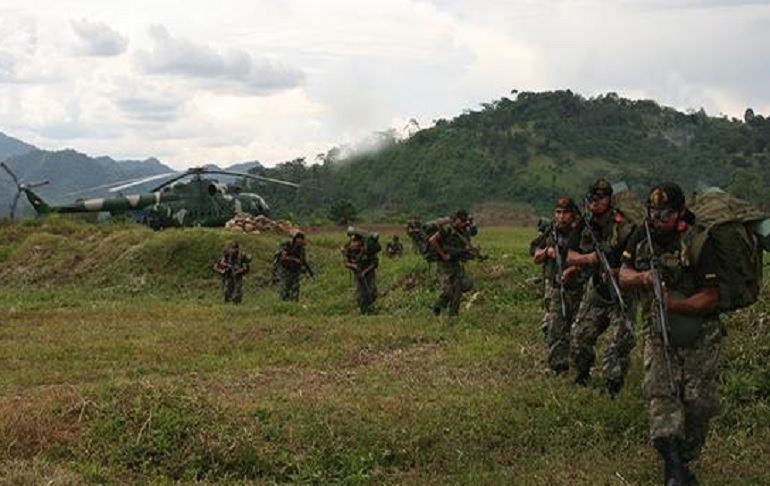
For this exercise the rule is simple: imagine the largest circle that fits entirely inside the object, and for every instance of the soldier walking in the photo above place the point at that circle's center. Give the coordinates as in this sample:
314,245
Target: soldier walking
681,373
233,265
362,262
564,285
452,244
597,247
290,264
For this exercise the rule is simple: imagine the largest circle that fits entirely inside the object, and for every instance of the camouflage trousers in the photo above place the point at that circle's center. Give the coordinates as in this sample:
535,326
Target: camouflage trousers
687,413
366,291
289,283
594,316
454,282
556,327
232,288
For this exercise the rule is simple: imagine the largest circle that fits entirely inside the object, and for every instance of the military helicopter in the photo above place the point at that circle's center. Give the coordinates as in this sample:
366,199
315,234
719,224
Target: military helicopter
201,201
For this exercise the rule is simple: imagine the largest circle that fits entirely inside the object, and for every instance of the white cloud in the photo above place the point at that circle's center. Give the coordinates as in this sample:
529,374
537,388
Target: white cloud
277,80
98,39
181,57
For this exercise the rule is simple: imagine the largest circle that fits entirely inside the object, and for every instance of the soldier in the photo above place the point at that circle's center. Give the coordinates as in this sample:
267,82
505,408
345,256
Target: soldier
681,380
394,248
564,285
597,247
290,263
232,267
452,244
415,232
363,264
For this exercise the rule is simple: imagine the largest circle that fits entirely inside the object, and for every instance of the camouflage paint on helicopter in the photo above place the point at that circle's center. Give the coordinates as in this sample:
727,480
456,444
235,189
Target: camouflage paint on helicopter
199,202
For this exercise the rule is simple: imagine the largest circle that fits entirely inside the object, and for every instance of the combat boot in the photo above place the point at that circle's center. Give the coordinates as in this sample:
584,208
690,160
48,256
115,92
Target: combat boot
613,386
675,470
582,378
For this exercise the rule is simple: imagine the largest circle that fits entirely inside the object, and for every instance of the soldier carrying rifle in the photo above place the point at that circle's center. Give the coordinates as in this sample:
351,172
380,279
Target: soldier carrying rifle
360,256
563,285
682,332
451,242
289,264
232,267
597,248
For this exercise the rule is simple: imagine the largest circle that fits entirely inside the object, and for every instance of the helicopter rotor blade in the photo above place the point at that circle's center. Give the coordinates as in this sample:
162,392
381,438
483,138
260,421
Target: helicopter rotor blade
14,203
172,180
142,181
8,170
36,184
254,176
104,186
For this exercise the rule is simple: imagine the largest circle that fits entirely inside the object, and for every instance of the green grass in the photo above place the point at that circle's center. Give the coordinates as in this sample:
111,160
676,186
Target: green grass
120,365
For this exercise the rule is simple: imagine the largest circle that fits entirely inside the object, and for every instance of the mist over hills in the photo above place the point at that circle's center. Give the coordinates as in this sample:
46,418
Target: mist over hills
524,150
514,154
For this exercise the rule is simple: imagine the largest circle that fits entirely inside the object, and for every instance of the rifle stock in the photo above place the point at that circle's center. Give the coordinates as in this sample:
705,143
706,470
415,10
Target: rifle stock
661,314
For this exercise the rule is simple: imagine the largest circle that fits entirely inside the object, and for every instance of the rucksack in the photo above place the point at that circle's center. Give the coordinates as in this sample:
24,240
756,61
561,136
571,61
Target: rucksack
732,225
429,228
628,203
371,240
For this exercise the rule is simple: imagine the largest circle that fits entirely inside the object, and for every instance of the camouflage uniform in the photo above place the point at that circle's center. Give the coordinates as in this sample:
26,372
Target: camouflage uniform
416,233
289,270
685,414
453,278
366,283
600,310
394,248
556,327
232,267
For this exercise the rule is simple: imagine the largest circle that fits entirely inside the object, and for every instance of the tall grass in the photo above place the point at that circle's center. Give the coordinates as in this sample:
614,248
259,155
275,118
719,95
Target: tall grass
120,365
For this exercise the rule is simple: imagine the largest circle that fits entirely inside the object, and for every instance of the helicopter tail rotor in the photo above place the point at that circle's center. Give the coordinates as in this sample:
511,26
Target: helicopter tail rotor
20,187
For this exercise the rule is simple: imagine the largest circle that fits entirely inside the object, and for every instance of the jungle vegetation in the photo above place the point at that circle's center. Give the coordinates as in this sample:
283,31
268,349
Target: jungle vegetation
525,150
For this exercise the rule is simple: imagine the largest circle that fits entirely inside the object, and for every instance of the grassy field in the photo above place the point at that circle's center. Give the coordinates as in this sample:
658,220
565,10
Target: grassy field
120,365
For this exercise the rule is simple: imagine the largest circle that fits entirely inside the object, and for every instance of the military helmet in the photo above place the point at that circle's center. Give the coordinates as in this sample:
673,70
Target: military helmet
600,189
667,195
567,203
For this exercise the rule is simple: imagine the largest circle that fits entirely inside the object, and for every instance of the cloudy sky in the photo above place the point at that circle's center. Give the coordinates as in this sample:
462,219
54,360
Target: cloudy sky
195,81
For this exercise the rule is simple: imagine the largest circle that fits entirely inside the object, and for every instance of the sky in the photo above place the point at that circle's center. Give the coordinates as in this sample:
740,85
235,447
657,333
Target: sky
194,82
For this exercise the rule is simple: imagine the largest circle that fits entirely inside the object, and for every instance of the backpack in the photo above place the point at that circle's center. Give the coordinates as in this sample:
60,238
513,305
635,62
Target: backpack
733,226
430,228
371,240
628,203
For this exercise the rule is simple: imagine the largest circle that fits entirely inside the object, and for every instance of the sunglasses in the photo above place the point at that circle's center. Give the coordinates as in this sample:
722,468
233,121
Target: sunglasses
596,196
660,214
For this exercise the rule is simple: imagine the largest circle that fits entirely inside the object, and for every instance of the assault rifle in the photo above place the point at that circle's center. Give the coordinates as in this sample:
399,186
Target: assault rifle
609,275
559,270
465,254
661,314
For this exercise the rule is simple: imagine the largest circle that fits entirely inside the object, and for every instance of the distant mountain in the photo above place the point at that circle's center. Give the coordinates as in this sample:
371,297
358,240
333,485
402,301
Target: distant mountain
70,174
11,147
74,175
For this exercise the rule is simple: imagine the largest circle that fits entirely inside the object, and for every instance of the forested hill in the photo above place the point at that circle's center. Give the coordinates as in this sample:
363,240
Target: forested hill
526,149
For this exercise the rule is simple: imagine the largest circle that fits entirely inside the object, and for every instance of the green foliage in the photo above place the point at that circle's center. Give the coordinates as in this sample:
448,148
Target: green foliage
161,383
529,150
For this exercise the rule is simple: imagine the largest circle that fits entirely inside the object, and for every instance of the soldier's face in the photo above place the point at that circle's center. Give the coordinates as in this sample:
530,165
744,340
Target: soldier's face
599,205
563,218
665,220
459,224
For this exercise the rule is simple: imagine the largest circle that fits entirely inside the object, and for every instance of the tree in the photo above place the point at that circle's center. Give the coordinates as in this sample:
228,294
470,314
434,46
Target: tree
343,212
